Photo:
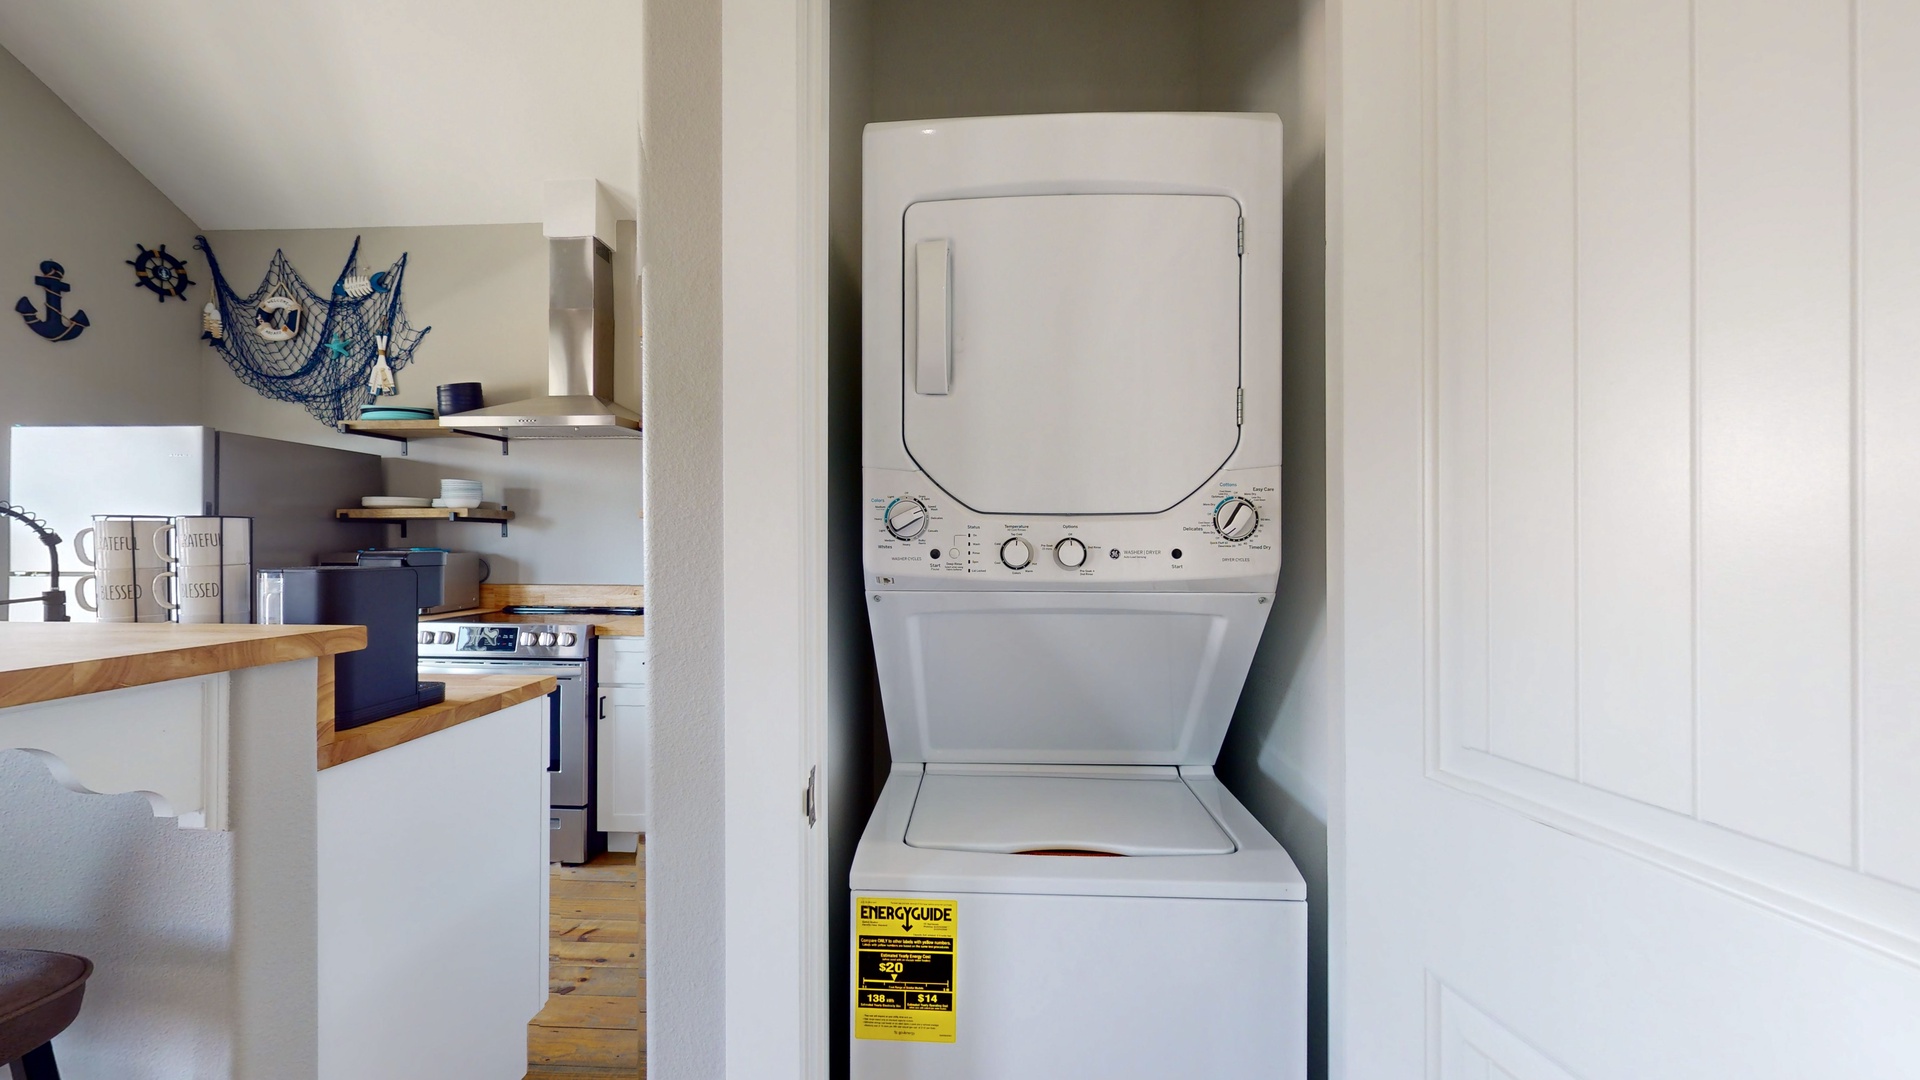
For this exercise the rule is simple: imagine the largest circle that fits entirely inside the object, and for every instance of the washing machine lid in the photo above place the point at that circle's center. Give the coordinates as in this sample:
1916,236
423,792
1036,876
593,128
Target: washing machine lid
1112,811
1071,354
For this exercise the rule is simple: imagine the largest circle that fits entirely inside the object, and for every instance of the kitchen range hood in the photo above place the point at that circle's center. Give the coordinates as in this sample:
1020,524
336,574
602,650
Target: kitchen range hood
579,399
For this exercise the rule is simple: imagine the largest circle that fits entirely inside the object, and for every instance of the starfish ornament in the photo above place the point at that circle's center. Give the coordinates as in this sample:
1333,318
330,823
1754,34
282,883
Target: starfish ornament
337,348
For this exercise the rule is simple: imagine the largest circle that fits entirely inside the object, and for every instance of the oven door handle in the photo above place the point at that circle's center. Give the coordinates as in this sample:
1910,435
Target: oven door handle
507,667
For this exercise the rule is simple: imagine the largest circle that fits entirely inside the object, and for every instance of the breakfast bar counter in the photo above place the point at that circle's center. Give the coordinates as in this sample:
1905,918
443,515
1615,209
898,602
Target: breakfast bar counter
255,888
47,661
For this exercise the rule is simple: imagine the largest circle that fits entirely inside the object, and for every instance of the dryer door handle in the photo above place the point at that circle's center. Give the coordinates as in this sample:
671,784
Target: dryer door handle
933,317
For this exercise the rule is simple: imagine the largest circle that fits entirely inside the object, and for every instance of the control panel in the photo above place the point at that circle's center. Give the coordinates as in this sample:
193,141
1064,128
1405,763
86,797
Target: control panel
503,640
1226,536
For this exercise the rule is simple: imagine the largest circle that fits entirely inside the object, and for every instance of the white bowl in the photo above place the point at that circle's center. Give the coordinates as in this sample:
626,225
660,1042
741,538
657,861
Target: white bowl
393,502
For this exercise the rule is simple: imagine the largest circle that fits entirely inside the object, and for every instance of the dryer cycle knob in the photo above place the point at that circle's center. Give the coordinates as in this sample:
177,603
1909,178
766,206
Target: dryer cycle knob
1070,553
1016,554
1235,518
906,518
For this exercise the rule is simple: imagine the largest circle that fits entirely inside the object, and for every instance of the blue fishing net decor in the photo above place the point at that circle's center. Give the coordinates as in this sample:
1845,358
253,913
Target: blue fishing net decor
331,352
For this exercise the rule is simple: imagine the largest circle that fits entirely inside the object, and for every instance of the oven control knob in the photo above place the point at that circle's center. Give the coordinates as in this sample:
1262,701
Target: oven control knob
1235,518
1070,553
547,640
906,518
446,637
568,639
426,637
1016,554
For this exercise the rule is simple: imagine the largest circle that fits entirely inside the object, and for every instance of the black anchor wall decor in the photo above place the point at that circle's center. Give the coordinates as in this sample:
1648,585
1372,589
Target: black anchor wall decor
54,325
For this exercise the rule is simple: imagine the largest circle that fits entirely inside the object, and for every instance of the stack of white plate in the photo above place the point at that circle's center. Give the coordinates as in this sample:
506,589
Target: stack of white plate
459,494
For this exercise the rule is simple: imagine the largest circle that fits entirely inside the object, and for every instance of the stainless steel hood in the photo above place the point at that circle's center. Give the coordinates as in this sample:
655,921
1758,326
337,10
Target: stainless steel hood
579,399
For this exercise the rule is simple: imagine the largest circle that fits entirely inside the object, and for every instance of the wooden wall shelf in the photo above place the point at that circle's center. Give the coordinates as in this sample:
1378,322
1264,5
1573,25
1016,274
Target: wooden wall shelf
405,431
404,514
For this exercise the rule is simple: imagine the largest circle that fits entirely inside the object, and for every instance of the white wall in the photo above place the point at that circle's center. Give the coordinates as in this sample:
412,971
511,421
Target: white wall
69,198
680,231
483,290
157,902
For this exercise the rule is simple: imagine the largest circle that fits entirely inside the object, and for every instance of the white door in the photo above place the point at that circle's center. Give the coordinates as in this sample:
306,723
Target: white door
625,739
1626,539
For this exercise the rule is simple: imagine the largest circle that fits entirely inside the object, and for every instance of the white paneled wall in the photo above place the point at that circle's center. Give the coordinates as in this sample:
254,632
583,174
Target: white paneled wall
1676,415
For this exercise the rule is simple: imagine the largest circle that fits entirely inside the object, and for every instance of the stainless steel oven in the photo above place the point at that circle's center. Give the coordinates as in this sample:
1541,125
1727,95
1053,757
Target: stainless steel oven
564,652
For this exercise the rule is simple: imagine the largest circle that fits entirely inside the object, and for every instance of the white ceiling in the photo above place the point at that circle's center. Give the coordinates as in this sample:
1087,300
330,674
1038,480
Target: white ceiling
349,113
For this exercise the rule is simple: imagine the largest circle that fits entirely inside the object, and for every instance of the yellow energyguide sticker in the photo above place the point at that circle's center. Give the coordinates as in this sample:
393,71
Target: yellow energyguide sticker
903,980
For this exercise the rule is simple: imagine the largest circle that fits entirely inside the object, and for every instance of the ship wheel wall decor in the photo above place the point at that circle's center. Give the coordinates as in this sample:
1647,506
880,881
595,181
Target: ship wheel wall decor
161,272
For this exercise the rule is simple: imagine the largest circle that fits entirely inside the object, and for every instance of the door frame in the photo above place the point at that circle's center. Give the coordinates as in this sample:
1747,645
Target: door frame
1377,214
773,533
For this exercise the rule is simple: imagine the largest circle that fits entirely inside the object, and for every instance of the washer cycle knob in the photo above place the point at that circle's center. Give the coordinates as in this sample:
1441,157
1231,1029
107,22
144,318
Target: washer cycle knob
1016,554
1070,553
1235,518
906,518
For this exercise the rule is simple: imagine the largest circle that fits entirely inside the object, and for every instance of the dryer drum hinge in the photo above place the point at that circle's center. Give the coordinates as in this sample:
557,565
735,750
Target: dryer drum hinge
808,805
1239,406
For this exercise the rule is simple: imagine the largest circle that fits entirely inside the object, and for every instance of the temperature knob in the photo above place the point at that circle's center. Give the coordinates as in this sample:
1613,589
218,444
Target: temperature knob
1070,553
568,639
426,637
1235,518
1016,554
547,640
906,518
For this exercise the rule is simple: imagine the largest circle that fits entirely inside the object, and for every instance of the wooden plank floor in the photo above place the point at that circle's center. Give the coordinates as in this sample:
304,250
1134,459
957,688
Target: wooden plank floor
595,1023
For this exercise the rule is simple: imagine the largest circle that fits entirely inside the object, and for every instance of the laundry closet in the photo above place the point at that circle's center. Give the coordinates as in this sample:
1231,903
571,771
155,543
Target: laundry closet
895,61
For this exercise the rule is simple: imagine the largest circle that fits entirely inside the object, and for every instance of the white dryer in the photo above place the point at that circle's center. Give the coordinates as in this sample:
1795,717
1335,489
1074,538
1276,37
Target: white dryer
1071,474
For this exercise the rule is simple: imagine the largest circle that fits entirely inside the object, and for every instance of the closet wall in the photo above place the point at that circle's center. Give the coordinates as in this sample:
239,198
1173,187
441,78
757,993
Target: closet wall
908,60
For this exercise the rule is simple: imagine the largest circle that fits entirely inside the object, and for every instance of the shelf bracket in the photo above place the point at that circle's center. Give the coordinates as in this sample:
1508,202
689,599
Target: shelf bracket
501,439
401,439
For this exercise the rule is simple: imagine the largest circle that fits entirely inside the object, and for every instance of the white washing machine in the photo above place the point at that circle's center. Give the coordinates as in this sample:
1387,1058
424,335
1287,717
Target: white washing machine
1071,470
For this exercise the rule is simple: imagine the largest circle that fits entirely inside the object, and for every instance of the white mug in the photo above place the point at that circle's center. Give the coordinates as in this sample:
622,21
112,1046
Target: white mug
122,542
207,541
122,596
192,592
236,592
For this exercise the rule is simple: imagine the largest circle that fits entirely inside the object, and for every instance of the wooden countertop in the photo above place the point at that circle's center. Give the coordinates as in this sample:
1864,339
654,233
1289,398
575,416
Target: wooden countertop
469,697
622,626
47,661
495,597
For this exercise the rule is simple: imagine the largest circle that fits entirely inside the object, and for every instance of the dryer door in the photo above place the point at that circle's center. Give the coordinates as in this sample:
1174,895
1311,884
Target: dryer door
1071,354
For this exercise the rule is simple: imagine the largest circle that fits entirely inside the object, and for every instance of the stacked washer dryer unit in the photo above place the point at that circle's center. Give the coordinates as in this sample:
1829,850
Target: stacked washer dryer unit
1071,500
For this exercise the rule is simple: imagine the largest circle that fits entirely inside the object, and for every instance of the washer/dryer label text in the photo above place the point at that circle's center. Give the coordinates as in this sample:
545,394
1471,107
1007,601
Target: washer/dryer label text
904,957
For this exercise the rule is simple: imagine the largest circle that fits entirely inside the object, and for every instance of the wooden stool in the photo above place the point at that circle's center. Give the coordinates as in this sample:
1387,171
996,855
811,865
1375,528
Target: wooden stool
39,996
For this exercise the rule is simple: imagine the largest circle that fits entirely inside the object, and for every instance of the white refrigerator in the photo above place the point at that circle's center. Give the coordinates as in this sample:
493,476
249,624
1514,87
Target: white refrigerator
66,475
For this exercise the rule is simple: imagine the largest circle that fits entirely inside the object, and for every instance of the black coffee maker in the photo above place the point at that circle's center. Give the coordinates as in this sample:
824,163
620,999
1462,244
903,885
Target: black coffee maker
381,680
